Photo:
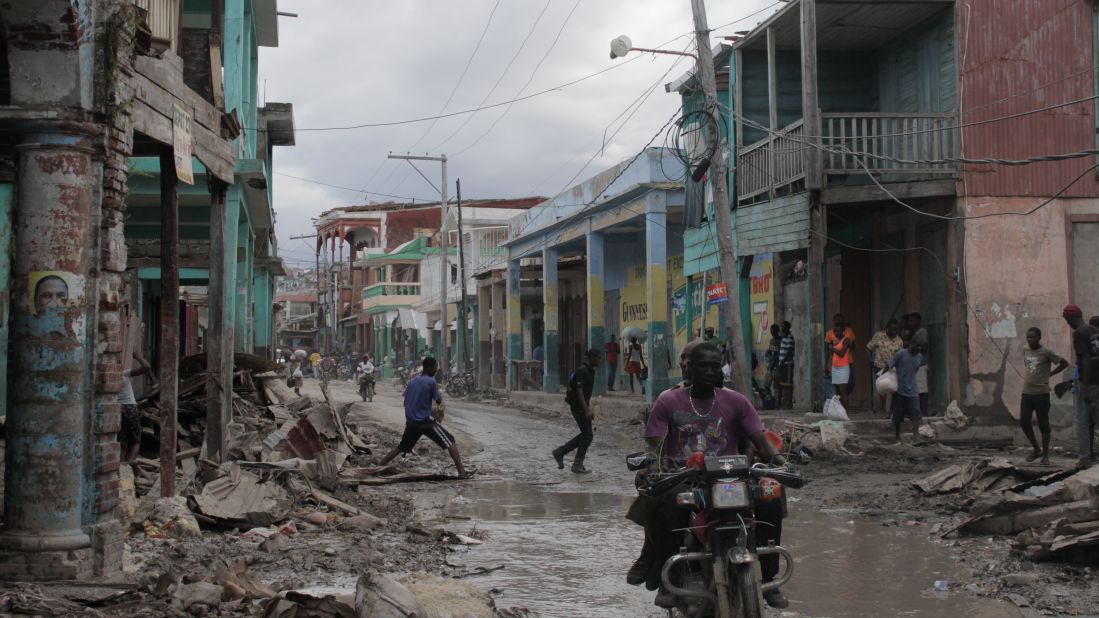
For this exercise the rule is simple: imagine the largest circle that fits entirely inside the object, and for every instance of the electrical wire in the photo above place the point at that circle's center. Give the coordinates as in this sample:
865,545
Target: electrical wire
368,192
461,78
533,73
514,57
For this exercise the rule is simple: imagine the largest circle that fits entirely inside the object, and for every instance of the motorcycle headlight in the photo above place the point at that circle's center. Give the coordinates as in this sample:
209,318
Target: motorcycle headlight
731,495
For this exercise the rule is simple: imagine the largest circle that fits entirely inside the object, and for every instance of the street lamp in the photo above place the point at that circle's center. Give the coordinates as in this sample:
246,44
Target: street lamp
622,45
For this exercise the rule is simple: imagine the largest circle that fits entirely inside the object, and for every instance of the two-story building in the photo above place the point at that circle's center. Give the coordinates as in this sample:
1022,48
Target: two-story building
868,140
95,94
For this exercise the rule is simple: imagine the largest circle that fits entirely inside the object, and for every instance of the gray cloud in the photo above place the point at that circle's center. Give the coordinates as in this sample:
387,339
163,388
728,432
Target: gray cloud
353,61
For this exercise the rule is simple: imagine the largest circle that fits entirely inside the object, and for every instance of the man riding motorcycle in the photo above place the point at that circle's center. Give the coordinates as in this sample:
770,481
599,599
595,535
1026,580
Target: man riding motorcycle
366,375
702,416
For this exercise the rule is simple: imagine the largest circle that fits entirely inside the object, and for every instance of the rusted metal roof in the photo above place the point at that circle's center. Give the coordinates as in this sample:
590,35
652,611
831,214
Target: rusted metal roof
1018,56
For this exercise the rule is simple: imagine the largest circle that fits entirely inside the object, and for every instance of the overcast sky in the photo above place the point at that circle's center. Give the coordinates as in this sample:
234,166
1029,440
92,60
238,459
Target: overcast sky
349,62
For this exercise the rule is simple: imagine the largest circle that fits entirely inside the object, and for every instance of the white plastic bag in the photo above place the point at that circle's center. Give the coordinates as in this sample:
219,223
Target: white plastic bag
887,382
834,410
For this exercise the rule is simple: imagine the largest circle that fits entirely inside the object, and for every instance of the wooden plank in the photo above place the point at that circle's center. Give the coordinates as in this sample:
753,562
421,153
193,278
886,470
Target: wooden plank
748,247
219,370
903,190
761,225
775,231
169,321
167,76
810,105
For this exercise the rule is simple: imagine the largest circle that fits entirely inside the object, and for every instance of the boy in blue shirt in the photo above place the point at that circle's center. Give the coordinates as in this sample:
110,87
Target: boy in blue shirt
419,421
906,401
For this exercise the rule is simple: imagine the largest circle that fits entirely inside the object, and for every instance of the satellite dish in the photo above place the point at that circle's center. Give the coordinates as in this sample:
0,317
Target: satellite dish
621,46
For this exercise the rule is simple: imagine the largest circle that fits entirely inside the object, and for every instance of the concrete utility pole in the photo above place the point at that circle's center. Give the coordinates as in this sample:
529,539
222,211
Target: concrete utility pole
444,267
734,335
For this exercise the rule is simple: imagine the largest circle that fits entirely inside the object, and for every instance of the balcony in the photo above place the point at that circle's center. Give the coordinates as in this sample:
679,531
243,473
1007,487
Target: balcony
484,250
893,145
390,295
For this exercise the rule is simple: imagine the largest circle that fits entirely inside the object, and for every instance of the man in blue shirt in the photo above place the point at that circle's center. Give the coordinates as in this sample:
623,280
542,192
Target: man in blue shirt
420,421
906,401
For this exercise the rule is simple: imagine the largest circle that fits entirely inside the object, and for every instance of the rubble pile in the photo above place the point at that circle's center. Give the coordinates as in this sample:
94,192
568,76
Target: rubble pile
1053,516
292,498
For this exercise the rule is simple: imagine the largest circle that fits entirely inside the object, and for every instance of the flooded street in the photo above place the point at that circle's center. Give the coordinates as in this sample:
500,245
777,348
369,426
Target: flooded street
565,545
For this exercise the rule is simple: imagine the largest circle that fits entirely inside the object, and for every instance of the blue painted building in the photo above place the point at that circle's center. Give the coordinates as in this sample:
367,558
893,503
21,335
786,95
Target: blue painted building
592,262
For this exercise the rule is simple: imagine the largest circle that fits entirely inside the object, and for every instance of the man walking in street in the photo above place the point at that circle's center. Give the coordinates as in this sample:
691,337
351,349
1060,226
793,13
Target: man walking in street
420,419
581,383
611,348
1085,345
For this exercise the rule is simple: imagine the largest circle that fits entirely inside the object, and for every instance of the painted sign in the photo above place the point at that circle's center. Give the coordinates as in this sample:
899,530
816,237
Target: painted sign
762,302
182,146
717,294
633,306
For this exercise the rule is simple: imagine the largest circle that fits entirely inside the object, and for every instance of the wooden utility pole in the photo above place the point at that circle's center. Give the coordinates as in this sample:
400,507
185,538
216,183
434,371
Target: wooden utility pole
719,181
169,321
463,314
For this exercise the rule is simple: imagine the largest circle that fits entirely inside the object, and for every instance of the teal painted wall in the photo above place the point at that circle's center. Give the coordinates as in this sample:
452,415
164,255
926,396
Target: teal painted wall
917,72
262,283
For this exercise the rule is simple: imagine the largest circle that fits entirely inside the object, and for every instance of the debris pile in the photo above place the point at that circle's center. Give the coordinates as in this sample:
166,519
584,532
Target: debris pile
1052,516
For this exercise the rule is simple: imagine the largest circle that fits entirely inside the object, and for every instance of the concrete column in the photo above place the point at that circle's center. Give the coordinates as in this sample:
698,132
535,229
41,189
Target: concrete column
484,341
514,322
596,320
6,196
656,294
53,313
551,337
500,323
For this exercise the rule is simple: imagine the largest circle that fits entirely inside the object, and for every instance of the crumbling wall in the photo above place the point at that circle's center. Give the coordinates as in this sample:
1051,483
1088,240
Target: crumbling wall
1016,276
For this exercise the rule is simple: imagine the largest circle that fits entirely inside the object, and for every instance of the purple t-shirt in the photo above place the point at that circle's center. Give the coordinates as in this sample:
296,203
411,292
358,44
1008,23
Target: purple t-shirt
715,433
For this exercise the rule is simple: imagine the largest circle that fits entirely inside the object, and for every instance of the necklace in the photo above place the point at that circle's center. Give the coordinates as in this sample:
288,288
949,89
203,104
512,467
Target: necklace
690,398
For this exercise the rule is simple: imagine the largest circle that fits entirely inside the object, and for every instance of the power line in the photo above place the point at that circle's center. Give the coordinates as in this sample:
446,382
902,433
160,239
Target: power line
532,95
529,79
367,192
461,77
499,79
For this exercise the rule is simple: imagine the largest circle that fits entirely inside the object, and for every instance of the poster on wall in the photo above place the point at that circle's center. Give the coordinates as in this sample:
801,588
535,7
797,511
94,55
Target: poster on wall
182,147
762,302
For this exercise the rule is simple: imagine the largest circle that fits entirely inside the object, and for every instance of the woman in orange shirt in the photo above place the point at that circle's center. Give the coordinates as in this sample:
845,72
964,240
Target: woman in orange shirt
837,345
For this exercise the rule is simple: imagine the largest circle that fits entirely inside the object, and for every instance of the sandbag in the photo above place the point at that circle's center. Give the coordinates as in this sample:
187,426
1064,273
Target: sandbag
887,382
834,410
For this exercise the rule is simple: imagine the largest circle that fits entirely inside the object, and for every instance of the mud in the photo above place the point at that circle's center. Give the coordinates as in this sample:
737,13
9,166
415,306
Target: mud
557,544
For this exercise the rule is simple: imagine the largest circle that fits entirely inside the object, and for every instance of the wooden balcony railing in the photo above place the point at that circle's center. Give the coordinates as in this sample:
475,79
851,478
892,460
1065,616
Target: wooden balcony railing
878,140
771,163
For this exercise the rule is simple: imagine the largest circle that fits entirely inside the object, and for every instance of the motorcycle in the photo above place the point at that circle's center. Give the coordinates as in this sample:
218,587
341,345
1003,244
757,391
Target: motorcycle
716,572
366,386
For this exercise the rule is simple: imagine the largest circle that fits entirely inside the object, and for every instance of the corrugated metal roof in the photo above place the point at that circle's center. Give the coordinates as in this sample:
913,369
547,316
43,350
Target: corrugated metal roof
1024,55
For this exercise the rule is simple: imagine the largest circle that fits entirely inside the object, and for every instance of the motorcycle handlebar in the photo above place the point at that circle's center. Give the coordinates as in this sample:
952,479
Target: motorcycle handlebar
787,477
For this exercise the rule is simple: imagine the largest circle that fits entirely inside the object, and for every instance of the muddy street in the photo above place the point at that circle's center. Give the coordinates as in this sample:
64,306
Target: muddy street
564,544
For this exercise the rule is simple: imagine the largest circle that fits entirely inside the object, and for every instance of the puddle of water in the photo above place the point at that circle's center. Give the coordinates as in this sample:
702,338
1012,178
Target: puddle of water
847,566
566,554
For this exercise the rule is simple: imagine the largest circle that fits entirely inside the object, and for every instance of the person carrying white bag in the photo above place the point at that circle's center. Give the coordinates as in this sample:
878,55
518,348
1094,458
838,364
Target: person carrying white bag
906,401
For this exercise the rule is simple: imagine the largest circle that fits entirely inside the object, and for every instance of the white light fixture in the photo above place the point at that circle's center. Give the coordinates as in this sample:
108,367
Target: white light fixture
622,45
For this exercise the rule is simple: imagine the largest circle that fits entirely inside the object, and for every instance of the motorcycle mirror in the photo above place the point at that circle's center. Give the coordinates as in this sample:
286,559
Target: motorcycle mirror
638,461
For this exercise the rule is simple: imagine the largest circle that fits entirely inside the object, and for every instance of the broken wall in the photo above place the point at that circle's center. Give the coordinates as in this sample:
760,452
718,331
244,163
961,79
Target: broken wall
1018,274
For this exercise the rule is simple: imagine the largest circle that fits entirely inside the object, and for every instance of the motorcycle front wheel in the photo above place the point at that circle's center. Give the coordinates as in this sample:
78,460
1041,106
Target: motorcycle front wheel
748,601
370,391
